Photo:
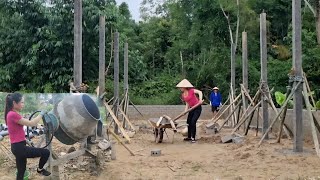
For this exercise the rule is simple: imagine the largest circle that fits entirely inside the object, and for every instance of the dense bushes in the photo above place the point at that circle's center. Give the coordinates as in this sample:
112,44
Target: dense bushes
181,39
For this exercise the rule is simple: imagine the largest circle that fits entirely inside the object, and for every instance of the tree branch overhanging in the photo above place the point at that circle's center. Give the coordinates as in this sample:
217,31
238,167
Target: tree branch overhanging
228,20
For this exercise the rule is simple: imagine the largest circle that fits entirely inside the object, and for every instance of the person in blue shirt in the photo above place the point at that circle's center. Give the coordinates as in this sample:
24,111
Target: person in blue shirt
215,100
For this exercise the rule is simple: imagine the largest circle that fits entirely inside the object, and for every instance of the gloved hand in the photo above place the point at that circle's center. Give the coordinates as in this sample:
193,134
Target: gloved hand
43,112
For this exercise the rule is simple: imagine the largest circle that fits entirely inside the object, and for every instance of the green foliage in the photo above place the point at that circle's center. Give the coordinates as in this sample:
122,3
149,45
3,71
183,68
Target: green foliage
278,13
176,39
2,105
161,90
278,71
318,105
162,99
281,98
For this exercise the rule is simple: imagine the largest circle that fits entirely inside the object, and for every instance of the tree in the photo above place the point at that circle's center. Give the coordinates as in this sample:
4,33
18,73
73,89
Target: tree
314,7
124,10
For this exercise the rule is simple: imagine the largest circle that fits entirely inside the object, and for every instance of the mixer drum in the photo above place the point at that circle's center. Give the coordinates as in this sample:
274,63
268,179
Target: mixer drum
78,117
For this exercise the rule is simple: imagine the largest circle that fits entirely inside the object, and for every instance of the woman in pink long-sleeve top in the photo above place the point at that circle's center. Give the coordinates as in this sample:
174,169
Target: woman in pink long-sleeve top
189,96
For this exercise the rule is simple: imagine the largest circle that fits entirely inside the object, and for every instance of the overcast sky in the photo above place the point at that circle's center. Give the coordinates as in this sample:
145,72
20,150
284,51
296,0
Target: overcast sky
134,6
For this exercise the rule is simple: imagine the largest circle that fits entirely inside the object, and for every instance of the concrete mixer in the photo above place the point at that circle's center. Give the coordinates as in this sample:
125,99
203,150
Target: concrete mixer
77,116
73,119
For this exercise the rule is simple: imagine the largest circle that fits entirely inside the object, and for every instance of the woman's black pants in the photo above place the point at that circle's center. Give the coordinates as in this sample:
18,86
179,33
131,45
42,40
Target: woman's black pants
22,152
193,117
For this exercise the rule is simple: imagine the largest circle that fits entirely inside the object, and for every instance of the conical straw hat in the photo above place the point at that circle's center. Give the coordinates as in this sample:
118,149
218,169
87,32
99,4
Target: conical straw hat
184,84
216,88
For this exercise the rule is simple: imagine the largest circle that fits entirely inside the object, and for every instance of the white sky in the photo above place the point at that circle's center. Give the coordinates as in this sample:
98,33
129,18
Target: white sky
134,6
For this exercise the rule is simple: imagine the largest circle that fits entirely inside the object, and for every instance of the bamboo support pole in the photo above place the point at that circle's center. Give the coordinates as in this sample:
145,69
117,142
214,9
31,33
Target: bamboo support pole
219,112
313,128
283,117
242,120
257,130
249,123
233,111
115,119
244,114
127,119
225,110
251,100
270,101
309,90
283,106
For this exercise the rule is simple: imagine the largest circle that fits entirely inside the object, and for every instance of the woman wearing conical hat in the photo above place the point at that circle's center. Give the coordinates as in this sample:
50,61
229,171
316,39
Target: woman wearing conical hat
189,96
215,100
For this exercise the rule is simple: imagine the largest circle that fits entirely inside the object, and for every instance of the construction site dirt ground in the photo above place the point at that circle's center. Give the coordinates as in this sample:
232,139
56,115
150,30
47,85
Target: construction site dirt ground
206,159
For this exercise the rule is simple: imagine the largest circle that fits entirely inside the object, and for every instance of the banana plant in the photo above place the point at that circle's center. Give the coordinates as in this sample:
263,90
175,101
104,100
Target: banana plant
281,98
318,105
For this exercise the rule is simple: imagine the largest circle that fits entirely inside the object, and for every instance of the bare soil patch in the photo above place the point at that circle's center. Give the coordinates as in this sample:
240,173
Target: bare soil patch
208,159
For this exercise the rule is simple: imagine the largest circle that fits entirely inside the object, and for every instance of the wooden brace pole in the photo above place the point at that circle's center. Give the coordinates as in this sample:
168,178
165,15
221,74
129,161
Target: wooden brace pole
127,119
242,120
225,110
283,106
285,128
233,111
118,139
115,119
313,128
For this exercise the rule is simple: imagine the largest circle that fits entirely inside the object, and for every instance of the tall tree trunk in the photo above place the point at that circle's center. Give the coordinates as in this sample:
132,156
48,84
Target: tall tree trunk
318,20
238,24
